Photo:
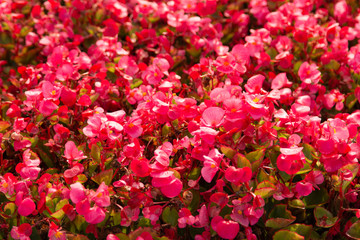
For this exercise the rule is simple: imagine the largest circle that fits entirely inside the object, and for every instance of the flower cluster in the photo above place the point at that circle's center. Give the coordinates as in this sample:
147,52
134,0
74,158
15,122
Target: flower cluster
179,119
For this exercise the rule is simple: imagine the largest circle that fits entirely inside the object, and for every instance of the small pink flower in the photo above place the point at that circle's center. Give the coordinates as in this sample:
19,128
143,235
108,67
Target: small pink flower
309,73
238,175
304,188
50,91
153,213
291,160
47,107
254,84
22,232
55,233
213,117
72,153
226,229
140,167
185,218
26,207
211,165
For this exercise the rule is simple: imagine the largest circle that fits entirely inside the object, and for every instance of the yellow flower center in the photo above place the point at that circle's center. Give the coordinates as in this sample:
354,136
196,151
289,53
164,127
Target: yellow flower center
131,125
213,166
53,92
256,100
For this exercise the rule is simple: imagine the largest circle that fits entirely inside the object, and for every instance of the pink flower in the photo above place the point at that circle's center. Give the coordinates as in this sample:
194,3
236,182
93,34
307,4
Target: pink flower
211,165
226,229
213,117
94,127
309,74
291,160
254,84
238,175
55,233
83,198
245,212
26,206
50,91
153,213
140,167
185,218
280,81
22,232
47,107
133,127
72,153
304,188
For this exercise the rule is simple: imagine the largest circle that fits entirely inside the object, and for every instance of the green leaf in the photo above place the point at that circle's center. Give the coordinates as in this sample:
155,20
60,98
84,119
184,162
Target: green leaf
354,168
350,101
286,234
104,176
278,223
80,222
136,83
280,211
324,218
297,203
265,192
305,169
316,198
308,151
265,189
122,236
255,155
58,214
144,222
35,234
10,208
61,204
4,125
95,153
354,231
195,173
228,151
195,202
333,65
242,161
45,158
170,216
301,229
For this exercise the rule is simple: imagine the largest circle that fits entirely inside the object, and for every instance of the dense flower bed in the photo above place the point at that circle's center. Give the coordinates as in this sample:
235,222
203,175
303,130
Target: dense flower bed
184,119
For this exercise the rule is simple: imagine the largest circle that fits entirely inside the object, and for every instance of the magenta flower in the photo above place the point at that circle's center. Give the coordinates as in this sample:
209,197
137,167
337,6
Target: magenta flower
152,213
72,153
140,167
226,229
26,206
133,127
47,107
185,218
55,233
50,91
211,165
245,212
83,198
309,73
291,160
22,232
254,84
304,188
213,117
238,175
